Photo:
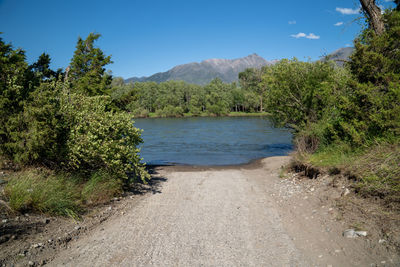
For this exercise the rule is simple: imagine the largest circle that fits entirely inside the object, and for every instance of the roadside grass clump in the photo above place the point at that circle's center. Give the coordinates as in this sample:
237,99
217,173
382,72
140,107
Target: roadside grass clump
375,169
334,156
100,188
43,191
378,172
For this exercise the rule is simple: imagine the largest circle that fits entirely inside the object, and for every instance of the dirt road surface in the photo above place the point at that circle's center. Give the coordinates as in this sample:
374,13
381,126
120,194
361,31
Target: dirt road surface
219,217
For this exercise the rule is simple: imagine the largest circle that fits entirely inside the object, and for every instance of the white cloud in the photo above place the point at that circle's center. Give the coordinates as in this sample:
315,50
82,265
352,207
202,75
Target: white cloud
303,35
299,35
312,36
292,22
340,23
347,11
348,45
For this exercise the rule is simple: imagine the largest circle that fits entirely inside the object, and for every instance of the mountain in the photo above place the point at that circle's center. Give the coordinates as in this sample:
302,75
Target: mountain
202,73
341,55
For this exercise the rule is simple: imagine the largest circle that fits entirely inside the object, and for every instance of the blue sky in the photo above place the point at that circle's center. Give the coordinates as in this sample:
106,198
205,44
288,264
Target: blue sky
149,36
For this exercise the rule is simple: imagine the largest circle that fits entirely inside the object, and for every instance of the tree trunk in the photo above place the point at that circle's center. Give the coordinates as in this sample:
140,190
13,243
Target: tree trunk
374,16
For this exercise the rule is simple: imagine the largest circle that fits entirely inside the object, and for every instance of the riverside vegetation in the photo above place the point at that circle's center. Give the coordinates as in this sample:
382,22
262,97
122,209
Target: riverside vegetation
59,129
76,127
346,119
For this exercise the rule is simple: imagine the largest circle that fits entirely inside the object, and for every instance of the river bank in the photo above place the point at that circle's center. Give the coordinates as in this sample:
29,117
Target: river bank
190,115
225,215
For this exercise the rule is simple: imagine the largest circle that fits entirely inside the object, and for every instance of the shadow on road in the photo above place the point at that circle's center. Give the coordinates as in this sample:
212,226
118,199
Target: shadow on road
153,186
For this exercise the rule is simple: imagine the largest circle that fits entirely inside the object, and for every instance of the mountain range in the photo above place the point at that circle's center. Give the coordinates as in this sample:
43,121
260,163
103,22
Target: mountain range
225,69
203,72
341,55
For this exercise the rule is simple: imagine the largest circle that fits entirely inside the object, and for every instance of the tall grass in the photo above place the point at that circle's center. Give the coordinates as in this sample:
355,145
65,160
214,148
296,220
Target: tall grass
58,194
375,169
43,192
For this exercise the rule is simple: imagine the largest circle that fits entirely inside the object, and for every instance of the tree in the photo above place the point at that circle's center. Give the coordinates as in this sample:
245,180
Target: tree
250,79
374,16
42,67
13,93
87,73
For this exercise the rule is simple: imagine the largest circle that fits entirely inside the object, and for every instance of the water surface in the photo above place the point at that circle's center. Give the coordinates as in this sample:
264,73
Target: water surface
211,141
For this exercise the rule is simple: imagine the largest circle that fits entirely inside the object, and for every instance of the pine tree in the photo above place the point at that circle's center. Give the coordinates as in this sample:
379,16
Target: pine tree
87,73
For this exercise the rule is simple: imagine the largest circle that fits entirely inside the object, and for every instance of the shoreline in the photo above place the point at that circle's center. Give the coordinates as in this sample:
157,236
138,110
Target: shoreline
188,115
251,165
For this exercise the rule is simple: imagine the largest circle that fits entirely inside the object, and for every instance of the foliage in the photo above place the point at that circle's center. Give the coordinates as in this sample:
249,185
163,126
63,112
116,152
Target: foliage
100,188
298,92
379,172
87,73
64,194
176,98
44,192
101,139
44,123
13,92
43,135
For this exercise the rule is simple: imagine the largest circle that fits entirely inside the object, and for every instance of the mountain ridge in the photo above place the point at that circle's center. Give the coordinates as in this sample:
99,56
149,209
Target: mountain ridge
226,69
205,71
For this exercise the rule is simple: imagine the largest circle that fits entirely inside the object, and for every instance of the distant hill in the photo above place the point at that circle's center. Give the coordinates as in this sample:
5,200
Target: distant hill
341,55
202,73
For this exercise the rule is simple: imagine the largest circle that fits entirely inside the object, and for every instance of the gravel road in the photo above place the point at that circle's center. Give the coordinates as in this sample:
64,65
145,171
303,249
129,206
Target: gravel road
200,217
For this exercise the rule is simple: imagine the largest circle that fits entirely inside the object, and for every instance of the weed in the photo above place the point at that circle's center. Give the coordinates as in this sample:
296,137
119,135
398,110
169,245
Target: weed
100,188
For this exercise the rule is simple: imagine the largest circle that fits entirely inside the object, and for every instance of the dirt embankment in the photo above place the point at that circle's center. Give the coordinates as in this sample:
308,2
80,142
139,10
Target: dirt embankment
227,216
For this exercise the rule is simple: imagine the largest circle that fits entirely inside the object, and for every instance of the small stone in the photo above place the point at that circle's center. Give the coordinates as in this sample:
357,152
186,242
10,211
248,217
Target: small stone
330,209
116,199
21,255
383,262
30,263
337,250
312,189
320,256
50,240
4,221
77,227
40,244
46,221
381,241
349,233
306,197
122,213
35,245
109,208
346,192
361,233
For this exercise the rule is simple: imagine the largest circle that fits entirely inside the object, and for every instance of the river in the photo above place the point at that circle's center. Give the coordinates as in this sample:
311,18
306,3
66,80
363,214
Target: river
211,141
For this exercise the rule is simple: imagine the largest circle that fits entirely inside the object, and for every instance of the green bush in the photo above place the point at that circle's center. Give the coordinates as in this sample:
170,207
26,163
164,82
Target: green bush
101,139
43,136
298,93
